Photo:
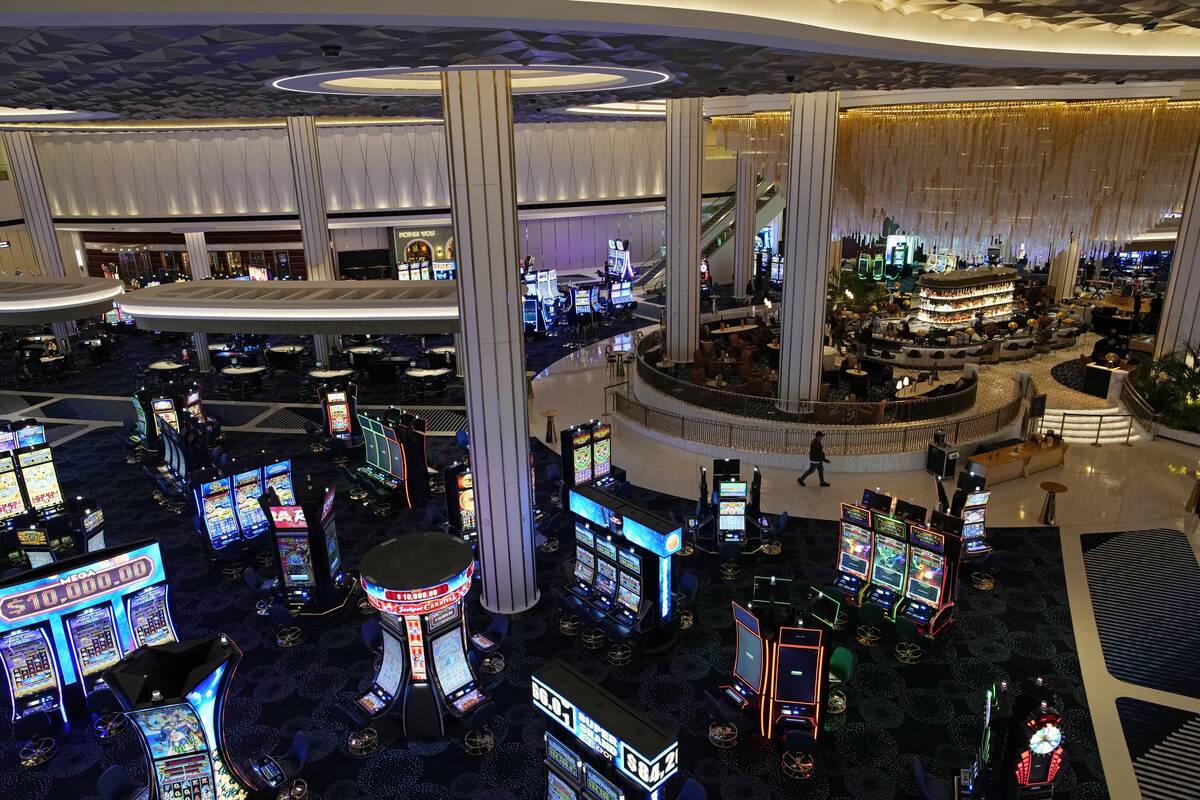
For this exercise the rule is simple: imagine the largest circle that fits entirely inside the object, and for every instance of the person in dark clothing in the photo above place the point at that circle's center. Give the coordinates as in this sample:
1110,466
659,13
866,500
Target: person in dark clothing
816,460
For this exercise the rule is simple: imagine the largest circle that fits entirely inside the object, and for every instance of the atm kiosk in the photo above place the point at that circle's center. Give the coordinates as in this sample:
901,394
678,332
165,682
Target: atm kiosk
855,544
931,586
425,679
174,695
308,556
339,406
622,577
62,625
460,501
600,748
791,708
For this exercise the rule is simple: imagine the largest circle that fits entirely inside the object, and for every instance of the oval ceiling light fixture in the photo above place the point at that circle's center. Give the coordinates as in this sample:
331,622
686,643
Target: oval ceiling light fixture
427,81
9,114
634,108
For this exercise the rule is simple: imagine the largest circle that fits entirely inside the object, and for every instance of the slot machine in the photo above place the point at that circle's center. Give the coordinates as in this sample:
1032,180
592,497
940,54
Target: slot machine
460,501
889,563
604,588
974,518
411,442
601,451
64,624
795,686
585,561
426,679
1035,753
214,511
143,433
931,585
307,553
576,458
175,695
164,412
731,511
278,476
35,544
247,488
339,405
746,687
706,281
12,502
601,748
628,608
42,491
149,616
854,553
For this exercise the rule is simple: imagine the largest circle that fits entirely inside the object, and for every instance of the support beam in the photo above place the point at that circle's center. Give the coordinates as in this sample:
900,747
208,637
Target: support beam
744,233
31,192
477,107
685,162
808,231
1179,322
310,198
1064,270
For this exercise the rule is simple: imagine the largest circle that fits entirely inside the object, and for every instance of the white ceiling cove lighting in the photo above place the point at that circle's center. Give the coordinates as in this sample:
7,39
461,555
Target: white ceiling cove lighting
427,81
638,108
9,114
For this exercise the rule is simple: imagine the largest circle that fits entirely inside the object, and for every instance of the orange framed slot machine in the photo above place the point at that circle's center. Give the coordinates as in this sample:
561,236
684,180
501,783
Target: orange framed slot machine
795,686
855,545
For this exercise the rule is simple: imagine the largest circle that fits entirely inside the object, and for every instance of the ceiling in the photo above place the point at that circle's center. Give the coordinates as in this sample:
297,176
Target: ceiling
1177,16
221,71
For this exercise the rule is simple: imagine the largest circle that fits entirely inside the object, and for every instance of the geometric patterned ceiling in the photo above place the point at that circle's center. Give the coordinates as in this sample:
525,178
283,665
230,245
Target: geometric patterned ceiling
1177,16
219,71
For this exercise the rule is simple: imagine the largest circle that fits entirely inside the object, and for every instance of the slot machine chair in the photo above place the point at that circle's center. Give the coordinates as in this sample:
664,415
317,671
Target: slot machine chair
282,773
108,717
115,784
729,721
37,747
490,639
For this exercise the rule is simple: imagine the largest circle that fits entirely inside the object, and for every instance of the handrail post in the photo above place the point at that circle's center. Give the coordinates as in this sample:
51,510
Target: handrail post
1099,422
1129,431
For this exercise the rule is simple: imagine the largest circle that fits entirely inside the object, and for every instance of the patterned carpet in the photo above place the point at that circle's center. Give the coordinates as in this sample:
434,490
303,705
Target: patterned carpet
1021,628
1164,745
1069,374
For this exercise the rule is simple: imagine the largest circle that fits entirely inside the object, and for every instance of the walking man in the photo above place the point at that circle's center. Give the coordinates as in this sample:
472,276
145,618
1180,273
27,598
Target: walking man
816,460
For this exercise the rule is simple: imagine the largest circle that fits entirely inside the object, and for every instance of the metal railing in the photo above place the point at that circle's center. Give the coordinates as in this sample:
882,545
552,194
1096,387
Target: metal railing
727,401
795,439
1140,409
1099,419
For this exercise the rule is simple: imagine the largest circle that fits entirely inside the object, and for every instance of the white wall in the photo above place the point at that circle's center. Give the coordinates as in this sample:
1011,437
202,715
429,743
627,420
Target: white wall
581,242
347,239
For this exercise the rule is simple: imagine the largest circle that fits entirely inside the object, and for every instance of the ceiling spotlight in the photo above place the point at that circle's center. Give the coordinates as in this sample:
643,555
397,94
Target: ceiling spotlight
331,50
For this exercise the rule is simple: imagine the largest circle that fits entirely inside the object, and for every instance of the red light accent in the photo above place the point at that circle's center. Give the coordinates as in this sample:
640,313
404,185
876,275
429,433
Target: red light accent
1023,769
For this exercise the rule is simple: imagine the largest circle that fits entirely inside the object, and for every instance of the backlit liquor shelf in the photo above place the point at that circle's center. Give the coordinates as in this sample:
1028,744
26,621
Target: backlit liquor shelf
952,299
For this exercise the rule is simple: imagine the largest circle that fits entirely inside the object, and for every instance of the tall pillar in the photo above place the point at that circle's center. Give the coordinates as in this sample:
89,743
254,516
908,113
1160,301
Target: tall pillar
31,191
197,251
477,107
685,161
1179,323
77,253
808,231
744,230
310,198
1064,270
458,351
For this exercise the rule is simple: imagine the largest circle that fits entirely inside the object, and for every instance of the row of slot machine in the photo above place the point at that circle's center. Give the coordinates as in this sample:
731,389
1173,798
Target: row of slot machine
622,571
154,409
395,456
228,514
540,304
587,457
889,556
63,624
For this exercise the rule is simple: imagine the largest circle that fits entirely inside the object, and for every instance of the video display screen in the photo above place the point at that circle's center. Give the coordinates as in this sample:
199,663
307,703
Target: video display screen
333,555
970,515
732,489
857,515
601,457
442,616
11,502
33,537
888,566
629,561
876,501
607,549
888,526
391,669
562,757
747,664
796,673
170,730
925,573
975,530
583,301
217,499
558,789
930,540
732,515
453,672
911,512
279,478
296,559
164,411
629,593
41,482
8,440
339,413
150,616
247,487
585,566
584,536
582,456
31,435
466,501
600,787
606,578
94,638
978,498
854,550
27,659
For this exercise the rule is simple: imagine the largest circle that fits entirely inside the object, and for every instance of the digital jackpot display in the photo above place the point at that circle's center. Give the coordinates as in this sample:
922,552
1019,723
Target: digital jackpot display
581,450
12,504
888,526
856,515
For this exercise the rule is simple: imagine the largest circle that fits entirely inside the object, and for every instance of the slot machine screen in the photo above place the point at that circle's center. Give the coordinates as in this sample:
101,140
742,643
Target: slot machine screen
978,498
164,411
857,515
598,786
371,440
28,662
601,451
217,498
279,478
629,593
854,551
562,757
911,512
888,567
973,530
33,537
585,566
583,536
11,502
94,639
41,483
581,443
732,489
796,674
391,670
170,731
466,501
732,515
192,405
333,553
8,441
747,663
31,435
606,577
558,789
876,501
296,559
583,301
970,515
247,488
629,561
925,573
453,672
339,413
888,526
394,452
529,312
607,549
150,616
442,616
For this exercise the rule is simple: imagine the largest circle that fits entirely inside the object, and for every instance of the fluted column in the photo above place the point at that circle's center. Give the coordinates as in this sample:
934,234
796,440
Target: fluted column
310,198
1180,317
197,252
458,351
31,191
685,162
77,254
744,230
808,230
477,107
1064,270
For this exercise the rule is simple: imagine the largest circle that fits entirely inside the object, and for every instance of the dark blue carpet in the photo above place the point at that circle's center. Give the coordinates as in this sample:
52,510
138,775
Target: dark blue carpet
1164,745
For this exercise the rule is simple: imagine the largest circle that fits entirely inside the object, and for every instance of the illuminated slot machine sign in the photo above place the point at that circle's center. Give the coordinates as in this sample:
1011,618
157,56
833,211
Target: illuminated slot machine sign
164,412
279,478
466,502
41,481
192,405
614,739
149,616
12,503
926,567
76,607
293,547
35,544
581,451
247,488
215,500
889,562
601,450
854,551
338,410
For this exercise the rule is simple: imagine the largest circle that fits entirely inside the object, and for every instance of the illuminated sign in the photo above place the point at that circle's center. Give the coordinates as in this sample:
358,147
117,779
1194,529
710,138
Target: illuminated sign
327,506
416,647
288,517
408,602
554,704
415,234
75,589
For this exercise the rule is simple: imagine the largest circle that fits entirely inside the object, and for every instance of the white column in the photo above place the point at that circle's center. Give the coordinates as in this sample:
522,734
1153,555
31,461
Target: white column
197,250
322,348
808,230
744,230
31,191
685,160
458,355
1064,270
76,253
310,198
477,106
1180,320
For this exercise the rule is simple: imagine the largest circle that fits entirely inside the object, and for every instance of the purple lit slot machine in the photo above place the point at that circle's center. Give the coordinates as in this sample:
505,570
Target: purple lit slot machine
931,586
854,553
746,688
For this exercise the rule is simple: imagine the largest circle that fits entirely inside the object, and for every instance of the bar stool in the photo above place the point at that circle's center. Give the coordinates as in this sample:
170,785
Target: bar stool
1052,490
550,434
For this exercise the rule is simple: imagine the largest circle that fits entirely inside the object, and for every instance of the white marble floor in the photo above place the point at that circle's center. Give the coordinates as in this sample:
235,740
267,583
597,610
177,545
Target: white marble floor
1110,488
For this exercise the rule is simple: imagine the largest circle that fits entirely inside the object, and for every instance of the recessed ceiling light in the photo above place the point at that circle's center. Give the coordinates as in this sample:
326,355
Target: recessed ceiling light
637,108
427,81
9,114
